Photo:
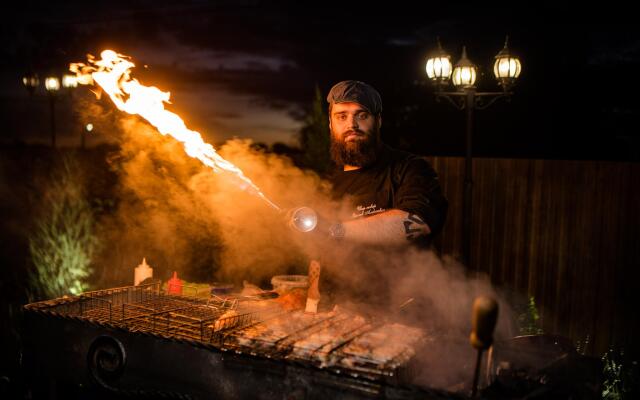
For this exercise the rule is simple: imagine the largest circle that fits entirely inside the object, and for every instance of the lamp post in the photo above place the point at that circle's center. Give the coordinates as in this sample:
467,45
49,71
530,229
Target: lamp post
506,69
52,84
30,81
69,82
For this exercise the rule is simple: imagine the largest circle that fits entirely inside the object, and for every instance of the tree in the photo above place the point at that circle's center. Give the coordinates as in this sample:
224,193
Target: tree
314,137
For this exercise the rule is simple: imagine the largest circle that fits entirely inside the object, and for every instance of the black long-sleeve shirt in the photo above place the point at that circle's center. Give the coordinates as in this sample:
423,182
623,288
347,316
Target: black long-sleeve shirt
397,180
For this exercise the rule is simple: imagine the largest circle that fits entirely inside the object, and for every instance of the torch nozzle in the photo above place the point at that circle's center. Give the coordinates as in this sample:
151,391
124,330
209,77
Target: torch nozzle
303,219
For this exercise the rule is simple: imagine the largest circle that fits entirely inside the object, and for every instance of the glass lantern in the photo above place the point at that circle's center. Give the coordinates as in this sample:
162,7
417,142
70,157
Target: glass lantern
465,72
439,66
507,67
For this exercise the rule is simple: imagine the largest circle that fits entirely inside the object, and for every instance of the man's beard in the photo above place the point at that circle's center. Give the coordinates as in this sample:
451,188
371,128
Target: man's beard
358,153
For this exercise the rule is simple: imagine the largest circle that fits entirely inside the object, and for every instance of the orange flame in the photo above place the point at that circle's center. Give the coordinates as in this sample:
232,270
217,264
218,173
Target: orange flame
113,74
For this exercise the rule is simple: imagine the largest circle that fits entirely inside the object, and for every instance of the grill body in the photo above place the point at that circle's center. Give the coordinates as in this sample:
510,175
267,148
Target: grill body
139,342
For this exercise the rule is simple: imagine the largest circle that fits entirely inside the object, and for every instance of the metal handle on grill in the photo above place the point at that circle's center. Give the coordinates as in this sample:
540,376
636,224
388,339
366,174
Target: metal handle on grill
483,322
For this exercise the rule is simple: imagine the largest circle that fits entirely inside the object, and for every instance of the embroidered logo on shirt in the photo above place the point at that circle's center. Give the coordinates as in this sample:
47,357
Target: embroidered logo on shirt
367,210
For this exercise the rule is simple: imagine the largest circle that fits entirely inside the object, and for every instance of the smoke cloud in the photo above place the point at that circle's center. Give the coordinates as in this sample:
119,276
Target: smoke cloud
417,288
183,217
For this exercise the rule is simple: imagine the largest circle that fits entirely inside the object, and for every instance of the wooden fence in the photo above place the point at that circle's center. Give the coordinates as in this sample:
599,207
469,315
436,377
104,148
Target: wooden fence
565,232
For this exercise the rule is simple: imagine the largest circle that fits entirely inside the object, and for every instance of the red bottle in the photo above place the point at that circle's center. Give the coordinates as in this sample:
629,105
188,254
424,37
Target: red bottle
174,286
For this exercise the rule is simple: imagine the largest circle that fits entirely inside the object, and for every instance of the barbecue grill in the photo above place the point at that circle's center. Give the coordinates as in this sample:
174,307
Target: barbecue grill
141,341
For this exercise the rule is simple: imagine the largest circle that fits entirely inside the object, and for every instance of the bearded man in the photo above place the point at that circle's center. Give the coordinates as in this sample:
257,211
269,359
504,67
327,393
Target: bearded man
393,197
391,202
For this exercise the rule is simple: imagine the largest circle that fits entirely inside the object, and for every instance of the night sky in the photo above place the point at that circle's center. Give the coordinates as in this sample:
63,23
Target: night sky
249,69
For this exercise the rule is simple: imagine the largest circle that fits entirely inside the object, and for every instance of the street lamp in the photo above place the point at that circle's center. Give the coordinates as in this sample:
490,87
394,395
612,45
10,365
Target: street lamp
52,84
30,81
506,69
439,67
69,81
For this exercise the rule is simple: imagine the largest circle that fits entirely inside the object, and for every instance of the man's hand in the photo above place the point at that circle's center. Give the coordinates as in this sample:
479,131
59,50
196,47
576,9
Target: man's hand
336,231
414,227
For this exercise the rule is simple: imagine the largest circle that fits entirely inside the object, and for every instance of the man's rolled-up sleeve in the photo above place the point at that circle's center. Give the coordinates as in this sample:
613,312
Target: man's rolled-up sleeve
419,193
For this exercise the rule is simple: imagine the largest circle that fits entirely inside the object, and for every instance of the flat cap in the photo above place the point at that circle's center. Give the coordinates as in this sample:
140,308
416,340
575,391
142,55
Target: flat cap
356,92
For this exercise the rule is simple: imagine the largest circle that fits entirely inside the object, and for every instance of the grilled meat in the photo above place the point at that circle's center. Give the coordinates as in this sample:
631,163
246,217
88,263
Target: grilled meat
389,342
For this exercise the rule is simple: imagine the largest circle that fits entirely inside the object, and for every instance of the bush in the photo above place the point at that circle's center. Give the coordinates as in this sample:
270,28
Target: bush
63,241
528,319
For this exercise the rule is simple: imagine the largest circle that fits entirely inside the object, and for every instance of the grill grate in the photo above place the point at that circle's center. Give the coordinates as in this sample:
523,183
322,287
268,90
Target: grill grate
145,308
335,340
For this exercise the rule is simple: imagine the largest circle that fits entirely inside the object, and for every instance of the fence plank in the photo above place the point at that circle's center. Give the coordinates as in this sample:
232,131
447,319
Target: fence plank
566,232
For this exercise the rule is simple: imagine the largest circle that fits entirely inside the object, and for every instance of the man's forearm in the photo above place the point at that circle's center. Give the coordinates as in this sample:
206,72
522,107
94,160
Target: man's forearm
392,227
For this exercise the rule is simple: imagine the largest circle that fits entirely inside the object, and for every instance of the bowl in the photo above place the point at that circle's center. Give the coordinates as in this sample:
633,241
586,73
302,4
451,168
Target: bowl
221,288
282,283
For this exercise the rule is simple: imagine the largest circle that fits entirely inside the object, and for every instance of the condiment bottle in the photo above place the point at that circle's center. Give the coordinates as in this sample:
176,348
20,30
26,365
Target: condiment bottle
142,272
174,286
